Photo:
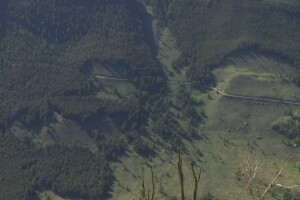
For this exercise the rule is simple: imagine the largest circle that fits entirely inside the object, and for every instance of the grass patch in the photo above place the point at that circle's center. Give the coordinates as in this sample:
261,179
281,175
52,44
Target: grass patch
64,132
48,195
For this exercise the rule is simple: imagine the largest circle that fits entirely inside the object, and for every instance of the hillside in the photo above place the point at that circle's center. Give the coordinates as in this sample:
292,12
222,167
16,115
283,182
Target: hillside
51,52
232,128
92,90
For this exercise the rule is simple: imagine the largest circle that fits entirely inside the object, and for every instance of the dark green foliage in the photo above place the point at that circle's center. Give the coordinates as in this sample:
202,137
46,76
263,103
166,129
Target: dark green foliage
187,105
74,172
160,9
112,146
166,125
137,114
68,171
142,147
86,107
3,6
46,51
295,79
291,196
288,125
55,21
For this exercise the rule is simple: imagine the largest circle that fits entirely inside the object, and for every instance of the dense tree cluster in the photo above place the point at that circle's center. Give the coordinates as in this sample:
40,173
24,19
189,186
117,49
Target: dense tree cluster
68,171
45,51
288,125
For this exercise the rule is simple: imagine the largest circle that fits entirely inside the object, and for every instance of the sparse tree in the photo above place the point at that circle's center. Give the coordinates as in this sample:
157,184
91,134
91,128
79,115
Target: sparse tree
249,173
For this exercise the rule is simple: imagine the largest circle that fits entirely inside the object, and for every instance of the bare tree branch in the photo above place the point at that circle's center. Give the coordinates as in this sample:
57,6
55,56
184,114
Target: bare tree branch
143,185
254,173
180,172
286,187
153,184
284,163
197,179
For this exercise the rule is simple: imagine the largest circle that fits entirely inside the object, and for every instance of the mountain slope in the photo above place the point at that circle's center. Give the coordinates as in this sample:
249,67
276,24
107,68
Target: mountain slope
51,52
61,123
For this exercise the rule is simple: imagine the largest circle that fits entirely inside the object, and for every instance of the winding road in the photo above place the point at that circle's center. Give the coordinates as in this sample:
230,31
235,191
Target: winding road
112,78
255,98
123,79
216,89
178,82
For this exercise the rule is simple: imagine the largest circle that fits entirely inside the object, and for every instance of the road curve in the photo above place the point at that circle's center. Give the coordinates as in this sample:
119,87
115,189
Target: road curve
216,89
255,98
123,79
178,82
111,78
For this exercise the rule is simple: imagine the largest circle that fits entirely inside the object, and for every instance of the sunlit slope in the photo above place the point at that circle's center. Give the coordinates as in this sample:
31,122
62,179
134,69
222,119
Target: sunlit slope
232,127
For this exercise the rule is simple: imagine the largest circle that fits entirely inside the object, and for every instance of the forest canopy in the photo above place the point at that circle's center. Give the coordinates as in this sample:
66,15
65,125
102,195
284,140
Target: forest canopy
288,125
47,48
52,51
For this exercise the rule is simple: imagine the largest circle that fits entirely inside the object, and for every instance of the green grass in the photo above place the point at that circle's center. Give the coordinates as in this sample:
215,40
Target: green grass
252,85
167,50
241,121
168,53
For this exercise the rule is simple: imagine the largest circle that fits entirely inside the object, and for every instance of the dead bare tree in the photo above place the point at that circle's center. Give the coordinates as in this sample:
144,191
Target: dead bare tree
181,177
143,184
153,184
284,163
180,172
197,179
286,187
248,171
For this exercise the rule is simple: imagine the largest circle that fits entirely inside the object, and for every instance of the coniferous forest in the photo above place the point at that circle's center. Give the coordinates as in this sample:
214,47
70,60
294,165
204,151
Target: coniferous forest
47,52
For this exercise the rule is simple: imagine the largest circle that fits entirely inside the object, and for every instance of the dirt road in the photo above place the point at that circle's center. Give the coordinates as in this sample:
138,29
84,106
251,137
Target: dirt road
255,98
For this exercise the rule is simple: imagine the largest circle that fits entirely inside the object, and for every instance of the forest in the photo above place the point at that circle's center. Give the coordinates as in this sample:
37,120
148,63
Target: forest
45,51
71,171
45,46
